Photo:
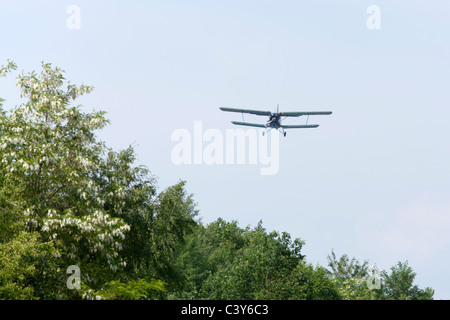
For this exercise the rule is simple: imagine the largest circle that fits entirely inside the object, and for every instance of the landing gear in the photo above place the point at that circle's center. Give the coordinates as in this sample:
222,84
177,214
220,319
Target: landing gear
284,134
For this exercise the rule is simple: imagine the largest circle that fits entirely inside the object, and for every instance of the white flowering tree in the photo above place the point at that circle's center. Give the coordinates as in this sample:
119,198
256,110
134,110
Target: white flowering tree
80,202
49,151
350,277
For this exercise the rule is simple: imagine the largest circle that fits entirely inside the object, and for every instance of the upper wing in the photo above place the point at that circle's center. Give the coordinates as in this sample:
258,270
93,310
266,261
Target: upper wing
256,112
306,113
300,126
249,124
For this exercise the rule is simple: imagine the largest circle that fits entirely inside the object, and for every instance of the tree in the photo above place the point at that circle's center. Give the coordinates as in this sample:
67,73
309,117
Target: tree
350,277
223,261
48,153
399,284
158,222
91,205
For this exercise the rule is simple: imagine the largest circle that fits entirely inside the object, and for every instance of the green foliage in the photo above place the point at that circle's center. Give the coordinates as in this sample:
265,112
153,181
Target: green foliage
351,277
223,261
399,284
18,263
141,289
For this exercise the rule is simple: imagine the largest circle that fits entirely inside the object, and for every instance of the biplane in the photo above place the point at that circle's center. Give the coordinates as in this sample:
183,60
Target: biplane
275,119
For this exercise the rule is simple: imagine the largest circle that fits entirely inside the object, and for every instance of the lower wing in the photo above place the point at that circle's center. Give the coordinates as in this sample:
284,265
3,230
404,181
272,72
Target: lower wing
300,126
249,124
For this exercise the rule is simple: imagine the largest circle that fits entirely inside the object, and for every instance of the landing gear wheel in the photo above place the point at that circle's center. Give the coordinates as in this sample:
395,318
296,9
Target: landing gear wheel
285,134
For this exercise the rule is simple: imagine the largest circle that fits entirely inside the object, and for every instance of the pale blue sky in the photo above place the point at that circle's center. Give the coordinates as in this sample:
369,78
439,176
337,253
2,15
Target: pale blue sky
372,181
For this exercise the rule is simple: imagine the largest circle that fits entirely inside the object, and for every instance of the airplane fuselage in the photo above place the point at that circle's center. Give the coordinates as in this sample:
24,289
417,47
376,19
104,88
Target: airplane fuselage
274,120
